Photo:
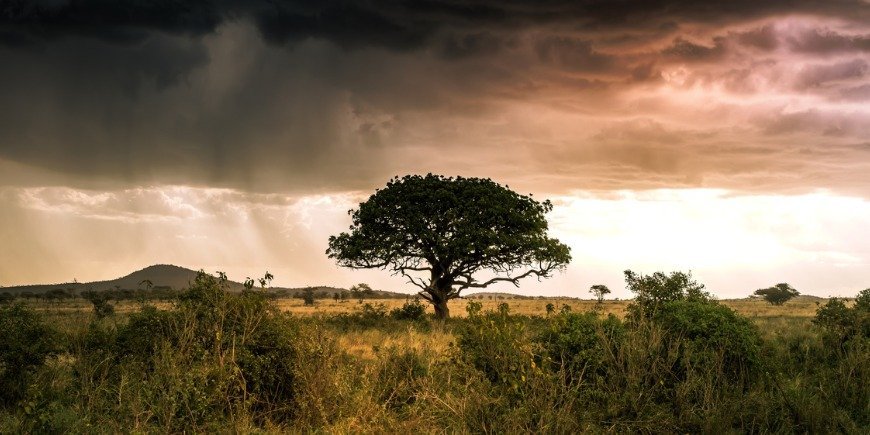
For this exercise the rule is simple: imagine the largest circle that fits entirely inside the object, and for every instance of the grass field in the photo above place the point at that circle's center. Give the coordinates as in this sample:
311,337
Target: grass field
73,315
224,362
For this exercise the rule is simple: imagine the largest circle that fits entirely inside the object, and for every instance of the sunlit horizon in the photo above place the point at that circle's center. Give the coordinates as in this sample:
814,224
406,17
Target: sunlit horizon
734,244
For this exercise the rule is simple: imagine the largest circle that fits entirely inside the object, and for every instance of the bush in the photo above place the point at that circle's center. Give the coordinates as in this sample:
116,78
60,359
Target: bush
100,301
497,344
578,343
659,288
399,372
411,310
841,324
215,355
710,335
25,344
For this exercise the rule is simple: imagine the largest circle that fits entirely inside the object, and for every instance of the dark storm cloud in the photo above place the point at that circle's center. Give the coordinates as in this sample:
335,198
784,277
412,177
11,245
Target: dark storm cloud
685,50
573,54
763,38
819,75
399,24
332,95
824,41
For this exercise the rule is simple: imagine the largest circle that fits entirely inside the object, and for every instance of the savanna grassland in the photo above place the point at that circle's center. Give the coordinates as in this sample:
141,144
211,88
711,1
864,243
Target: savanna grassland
217,361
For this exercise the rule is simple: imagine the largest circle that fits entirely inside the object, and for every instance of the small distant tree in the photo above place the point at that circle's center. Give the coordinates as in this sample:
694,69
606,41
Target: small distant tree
361,291
308,296
778,294
654,290
599,290
550,308
100,302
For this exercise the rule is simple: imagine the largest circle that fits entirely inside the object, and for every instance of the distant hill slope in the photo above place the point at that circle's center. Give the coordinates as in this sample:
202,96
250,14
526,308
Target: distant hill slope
163,275
160,275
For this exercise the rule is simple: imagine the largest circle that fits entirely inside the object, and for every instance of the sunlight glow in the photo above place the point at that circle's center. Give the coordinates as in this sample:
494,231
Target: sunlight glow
751,240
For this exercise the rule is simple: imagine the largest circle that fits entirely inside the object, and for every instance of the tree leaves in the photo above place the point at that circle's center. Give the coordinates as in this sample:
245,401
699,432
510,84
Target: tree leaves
450,228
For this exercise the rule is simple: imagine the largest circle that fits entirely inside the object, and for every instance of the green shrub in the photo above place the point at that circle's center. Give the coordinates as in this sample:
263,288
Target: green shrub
578,343
411,310
6,298
473,308
498,345
841,324
862,301
659,288
25,344
216,354
398,374
140,337
710,335
100,302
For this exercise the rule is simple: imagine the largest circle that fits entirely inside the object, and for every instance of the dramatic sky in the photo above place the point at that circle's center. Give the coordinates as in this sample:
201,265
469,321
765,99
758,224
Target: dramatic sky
727,138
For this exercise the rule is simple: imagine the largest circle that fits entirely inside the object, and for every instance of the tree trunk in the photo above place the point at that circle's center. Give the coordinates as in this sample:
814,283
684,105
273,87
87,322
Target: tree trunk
441,310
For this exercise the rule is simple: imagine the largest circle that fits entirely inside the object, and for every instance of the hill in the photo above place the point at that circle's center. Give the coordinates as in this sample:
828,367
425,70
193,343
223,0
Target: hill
165,276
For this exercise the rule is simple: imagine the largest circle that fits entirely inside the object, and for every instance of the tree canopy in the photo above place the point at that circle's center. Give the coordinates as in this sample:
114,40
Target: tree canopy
599,290
778,294
447,229
659,288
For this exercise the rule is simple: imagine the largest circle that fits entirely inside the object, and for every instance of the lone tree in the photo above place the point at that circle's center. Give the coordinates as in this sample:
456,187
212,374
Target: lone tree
447,229
778,294
599,290
361,291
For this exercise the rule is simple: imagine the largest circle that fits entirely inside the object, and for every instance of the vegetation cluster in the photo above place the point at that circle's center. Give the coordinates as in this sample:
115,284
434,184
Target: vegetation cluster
217,361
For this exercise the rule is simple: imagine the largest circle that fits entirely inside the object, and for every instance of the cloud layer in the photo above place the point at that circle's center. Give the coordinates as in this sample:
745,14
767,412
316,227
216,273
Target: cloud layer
334,96
172,124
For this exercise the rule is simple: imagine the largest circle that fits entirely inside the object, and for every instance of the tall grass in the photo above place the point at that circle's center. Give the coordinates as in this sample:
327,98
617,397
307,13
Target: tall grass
221,362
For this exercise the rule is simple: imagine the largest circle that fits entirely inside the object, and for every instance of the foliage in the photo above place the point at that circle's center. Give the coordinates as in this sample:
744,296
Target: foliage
497,345
25,344
599,290
778,294
579,342
308,296
100,302
842,324
651,291
862,301
400,372
550,308
361,291
411,310
710,334
217,361
450,229
228,353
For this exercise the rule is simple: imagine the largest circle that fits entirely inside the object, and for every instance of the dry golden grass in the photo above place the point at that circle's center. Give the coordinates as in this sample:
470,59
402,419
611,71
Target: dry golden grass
759,308
364,343
527,307
752,308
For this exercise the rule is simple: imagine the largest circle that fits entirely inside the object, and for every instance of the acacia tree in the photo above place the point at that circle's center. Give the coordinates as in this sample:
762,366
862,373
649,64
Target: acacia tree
599,290
438,232
778,294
